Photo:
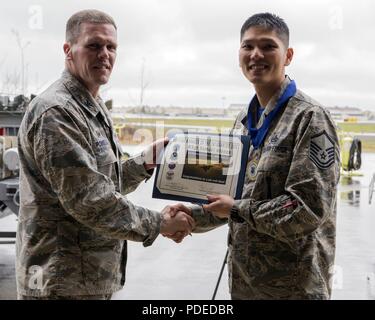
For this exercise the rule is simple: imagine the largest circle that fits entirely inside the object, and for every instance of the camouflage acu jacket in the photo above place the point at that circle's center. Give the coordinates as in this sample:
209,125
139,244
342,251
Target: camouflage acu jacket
73,216
285,246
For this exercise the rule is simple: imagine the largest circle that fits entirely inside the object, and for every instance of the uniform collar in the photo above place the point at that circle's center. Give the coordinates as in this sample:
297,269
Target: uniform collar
258,129
271,104
80,93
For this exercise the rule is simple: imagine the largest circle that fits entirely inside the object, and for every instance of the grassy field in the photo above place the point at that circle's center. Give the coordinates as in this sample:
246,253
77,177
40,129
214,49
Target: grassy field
357,127
351,128
368,142
368,145
218,123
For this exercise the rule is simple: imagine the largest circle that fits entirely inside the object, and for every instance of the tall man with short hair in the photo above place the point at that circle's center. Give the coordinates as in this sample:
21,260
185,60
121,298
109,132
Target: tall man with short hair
74,219
282,232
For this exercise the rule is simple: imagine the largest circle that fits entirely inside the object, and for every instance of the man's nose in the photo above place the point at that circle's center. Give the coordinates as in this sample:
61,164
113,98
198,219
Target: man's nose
256,54
103,53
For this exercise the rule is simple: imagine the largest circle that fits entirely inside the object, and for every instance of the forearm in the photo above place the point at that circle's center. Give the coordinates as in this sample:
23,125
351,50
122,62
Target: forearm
96,204
133,173
287,217
205,221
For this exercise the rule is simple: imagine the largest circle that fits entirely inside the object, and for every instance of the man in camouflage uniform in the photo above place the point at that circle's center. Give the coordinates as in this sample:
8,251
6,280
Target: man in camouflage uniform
73,216
282,232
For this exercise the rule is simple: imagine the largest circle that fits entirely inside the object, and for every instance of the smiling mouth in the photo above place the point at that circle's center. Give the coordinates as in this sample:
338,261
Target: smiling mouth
101,67
258,67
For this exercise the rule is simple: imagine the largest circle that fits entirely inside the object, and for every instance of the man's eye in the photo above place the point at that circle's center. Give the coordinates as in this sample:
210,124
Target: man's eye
269,47
93,46
247,47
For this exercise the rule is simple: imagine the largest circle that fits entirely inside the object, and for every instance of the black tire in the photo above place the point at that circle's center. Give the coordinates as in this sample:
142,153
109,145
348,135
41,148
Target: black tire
355,159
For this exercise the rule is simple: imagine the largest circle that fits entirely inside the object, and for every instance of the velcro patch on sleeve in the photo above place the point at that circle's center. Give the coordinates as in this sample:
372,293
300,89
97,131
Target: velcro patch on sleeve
322,150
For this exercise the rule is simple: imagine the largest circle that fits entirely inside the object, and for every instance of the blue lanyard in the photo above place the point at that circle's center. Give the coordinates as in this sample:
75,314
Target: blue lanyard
258,135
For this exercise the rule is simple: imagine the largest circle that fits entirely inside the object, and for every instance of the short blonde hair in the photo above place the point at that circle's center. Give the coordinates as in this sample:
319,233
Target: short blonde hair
88,16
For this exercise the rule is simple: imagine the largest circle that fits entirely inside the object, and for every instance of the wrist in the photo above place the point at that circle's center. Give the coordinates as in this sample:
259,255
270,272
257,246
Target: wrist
235,214
163,223
149,166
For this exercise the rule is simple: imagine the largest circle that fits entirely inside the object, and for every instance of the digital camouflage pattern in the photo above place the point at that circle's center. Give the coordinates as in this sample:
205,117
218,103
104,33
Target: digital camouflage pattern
285,247
73,216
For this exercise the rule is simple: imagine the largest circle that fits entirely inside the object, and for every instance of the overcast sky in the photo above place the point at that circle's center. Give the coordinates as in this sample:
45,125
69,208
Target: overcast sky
189,48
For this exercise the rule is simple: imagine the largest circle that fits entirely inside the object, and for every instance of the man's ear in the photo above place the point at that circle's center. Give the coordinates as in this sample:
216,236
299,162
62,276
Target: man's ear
289,56
68,51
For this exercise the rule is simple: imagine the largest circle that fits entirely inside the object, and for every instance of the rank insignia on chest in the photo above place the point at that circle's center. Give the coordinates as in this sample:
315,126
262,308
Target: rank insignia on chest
322,150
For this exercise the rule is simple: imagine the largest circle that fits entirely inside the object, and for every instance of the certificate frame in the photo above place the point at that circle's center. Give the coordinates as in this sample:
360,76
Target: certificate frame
239,178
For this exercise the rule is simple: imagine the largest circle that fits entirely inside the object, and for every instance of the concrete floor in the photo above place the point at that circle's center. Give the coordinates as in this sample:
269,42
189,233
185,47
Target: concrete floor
7,281
190,270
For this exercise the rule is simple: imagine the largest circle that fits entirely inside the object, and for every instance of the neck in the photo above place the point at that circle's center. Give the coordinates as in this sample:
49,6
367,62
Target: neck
94,90
266,92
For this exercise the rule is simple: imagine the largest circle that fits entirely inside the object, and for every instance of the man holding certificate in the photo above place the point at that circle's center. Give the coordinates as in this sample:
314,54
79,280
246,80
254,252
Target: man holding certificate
75,219
282,230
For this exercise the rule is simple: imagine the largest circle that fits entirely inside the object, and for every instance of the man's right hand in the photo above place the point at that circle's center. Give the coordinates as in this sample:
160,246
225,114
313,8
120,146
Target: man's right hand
177,222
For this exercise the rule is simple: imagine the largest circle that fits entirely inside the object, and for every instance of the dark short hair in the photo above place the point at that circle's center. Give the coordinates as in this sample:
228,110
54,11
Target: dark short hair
88,16
268,21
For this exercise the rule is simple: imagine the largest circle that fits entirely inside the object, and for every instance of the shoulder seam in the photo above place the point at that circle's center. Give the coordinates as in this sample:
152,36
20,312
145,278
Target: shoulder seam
63,106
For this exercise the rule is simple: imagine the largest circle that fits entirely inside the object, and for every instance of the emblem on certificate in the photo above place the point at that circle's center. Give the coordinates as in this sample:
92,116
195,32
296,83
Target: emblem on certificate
196,164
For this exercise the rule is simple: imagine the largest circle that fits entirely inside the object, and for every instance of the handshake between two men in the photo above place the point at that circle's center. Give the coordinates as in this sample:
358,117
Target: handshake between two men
177,221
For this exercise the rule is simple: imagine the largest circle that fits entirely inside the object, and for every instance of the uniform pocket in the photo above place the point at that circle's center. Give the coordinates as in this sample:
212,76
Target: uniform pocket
68,236
101,259
105,157
106,160
69,263
272,162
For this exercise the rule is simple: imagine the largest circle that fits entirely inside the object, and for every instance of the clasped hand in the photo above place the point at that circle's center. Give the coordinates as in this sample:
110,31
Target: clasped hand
177,222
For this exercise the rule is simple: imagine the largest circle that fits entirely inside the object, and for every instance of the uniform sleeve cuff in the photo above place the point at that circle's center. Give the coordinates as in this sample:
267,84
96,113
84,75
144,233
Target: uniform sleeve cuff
244,211
154,228
137,164
197,211
235,213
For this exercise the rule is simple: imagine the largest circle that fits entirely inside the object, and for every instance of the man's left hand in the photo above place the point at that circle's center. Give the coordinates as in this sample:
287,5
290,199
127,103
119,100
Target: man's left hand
219,205
152,152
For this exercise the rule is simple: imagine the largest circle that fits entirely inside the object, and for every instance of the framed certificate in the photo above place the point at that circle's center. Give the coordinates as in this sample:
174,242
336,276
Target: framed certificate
196,164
